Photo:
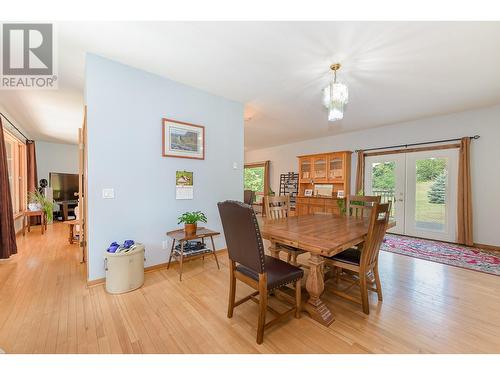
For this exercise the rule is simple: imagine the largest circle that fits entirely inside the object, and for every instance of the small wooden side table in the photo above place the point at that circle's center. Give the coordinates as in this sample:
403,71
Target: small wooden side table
28,215
180,236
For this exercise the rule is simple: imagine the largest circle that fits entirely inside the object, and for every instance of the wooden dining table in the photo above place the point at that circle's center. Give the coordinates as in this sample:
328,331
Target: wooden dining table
319,235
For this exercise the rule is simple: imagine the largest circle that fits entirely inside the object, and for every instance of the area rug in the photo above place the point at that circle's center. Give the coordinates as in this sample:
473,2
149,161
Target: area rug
446,253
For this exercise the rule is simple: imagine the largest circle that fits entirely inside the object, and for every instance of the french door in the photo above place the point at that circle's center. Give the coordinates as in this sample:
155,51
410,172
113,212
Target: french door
423,188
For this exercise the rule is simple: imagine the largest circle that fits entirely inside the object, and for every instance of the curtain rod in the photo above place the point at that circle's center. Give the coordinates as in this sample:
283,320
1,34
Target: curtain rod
416,144
15,127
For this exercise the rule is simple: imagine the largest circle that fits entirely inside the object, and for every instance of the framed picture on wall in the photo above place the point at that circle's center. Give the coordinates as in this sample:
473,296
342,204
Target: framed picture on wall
183,140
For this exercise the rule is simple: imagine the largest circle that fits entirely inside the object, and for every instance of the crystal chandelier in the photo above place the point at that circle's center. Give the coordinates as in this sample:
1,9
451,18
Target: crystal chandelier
335,96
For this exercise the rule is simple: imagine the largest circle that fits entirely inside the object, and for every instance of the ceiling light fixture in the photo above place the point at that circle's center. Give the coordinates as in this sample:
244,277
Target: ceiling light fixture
335,96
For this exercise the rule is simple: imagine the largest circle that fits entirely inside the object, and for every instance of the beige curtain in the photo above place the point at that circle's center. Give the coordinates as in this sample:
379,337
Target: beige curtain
360,173
464,207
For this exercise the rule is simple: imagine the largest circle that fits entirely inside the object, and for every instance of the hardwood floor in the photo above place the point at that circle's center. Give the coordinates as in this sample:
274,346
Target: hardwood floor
46,307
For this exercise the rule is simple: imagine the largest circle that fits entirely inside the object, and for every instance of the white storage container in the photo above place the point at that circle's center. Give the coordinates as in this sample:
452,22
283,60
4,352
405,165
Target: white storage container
124,271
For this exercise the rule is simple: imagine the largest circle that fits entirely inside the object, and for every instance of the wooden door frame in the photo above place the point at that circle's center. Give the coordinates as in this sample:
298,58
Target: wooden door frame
266,165
82,191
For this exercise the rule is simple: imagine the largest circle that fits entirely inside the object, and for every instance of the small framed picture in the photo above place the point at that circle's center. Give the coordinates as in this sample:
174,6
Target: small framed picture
183,140
340,194
308,192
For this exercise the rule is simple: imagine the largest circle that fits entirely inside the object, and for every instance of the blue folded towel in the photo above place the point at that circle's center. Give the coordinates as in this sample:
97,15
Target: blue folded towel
128,243
113,247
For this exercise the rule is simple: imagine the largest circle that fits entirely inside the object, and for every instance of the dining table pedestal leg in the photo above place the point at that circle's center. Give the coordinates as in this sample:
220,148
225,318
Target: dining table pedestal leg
273,249
315,286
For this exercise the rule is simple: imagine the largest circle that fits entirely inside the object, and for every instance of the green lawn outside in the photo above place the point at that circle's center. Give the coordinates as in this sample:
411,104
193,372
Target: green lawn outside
425,211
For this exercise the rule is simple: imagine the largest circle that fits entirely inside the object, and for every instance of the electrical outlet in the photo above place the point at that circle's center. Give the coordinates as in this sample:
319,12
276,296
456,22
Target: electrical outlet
164,244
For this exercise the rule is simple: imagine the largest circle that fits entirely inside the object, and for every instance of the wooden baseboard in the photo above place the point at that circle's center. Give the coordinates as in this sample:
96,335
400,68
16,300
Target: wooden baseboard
96,282
487,247
155,267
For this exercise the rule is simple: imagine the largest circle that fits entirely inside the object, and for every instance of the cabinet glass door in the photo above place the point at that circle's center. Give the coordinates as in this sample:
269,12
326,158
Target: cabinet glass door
305,169
320,167
335,168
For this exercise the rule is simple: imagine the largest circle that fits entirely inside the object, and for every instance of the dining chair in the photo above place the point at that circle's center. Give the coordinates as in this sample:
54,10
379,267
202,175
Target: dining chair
277,208
250,265
249,196
360,205
364,260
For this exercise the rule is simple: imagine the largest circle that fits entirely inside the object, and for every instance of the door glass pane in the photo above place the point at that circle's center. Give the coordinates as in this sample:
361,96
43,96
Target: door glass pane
431,192
383,182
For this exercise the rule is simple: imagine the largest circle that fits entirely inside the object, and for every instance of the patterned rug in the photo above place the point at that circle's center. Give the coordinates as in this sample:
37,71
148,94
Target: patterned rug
442,252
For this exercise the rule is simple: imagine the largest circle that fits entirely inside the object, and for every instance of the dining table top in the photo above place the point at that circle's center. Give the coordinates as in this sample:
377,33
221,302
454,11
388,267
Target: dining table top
322,234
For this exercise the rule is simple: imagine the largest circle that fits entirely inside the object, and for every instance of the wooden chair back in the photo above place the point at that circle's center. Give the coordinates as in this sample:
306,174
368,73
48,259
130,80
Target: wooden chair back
360,205
277,207
378,225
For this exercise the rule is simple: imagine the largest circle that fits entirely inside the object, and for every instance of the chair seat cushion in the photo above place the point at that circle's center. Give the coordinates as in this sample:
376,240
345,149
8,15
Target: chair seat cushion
350,256
279,273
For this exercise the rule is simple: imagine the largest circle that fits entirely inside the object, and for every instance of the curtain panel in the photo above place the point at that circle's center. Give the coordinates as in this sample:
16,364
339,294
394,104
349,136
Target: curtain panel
464,206
8,244
360,173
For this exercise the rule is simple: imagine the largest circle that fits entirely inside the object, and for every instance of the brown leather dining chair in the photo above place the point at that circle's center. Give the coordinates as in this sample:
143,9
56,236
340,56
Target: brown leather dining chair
277,208
249,264
364,260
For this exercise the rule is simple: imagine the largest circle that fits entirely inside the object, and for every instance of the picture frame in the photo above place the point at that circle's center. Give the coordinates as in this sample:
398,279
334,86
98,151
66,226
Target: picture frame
182,139
308,193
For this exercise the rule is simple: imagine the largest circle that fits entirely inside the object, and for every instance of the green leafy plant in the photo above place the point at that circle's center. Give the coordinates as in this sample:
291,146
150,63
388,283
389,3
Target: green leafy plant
341,202
192,217
47,205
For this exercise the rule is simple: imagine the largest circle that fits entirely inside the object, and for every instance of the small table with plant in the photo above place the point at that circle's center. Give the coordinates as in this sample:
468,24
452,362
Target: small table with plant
187,247
38,206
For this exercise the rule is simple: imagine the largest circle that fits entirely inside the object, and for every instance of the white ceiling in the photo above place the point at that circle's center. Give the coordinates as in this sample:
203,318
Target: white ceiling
395,71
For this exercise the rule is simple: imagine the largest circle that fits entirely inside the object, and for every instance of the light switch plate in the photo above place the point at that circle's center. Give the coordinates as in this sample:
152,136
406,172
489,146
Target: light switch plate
108,193
235,165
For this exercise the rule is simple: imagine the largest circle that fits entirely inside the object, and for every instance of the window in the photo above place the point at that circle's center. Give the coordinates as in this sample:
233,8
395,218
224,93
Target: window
256,178
16,165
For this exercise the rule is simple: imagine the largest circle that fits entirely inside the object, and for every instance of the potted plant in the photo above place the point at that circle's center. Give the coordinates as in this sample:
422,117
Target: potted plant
190,220
37,201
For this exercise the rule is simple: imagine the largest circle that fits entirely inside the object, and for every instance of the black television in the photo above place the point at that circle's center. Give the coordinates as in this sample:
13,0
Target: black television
64,186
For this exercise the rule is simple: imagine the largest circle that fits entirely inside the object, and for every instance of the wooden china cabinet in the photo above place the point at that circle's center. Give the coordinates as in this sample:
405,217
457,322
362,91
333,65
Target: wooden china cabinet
318,173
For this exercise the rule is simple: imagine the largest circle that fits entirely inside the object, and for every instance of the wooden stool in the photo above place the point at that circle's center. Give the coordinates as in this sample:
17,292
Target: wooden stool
71,224
27,215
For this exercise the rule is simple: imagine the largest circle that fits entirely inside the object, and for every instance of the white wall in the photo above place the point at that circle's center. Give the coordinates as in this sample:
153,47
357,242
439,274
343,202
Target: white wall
55,157
124,111
484,156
